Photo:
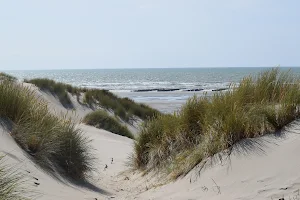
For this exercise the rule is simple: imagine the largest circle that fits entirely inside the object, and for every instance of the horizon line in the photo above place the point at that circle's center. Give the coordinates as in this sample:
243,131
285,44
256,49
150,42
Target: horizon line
148,68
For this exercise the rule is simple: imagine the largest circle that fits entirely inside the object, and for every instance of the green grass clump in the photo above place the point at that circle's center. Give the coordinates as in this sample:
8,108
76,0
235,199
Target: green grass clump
4,76
54,142
207,125
11,184
125,108
59,89
101,119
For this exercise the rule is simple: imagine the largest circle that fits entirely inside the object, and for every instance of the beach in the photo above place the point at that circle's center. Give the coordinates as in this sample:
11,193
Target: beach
150,100
166,102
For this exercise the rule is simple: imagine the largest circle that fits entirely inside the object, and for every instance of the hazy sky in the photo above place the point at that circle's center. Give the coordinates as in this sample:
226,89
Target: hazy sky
57,34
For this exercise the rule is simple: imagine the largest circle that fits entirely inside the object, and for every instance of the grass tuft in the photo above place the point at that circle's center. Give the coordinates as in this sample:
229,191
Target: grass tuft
7,77
101,119
61,90
125,108
54,142
206,125
11,184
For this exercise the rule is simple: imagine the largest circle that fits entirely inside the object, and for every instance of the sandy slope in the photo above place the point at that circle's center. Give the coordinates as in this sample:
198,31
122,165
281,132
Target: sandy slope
78,112
261,168
106,145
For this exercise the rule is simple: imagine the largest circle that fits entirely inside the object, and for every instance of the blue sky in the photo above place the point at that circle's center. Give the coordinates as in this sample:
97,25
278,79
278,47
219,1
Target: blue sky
62,34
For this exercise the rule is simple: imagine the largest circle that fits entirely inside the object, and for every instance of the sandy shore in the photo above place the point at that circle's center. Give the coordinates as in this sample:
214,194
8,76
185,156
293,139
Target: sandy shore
166,102
261,168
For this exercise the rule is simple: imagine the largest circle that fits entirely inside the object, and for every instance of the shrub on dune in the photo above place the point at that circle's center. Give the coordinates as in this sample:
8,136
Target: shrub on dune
54,142
207,125
101,119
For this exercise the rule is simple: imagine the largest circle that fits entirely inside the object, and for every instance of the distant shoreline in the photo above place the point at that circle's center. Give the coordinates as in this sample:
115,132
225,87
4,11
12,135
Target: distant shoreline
133,68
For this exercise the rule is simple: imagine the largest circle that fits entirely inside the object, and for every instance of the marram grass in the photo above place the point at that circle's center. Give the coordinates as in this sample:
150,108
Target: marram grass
11,183
7,77
204,126
53,142
58,89
125,108
101,119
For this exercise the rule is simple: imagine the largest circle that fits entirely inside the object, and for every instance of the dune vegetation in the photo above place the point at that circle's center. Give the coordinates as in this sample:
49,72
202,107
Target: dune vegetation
204,126
60,90
124,108
11,183
101,119
53,142
5,76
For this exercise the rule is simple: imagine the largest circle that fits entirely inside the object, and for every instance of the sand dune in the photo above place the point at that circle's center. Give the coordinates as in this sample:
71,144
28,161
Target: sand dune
106,146
261,168
42,183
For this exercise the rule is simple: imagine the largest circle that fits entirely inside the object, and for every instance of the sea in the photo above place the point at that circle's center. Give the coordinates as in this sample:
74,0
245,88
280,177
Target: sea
163,88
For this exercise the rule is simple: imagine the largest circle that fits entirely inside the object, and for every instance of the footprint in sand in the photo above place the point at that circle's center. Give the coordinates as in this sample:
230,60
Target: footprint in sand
37,184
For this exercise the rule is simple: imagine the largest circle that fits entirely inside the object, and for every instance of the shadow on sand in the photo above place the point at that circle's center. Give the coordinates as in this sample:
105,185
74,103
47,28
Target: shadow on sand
249,147
54,172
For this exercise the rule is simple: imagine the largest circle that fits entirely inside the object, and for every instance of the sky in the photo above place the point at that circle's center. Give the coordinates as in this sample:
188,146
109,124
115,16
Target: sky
86,34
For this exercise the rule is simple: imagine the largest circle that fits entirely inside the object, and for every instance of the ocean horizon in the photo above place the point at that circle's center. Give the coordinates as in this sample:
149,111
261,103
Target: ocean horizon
165,86
132,79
